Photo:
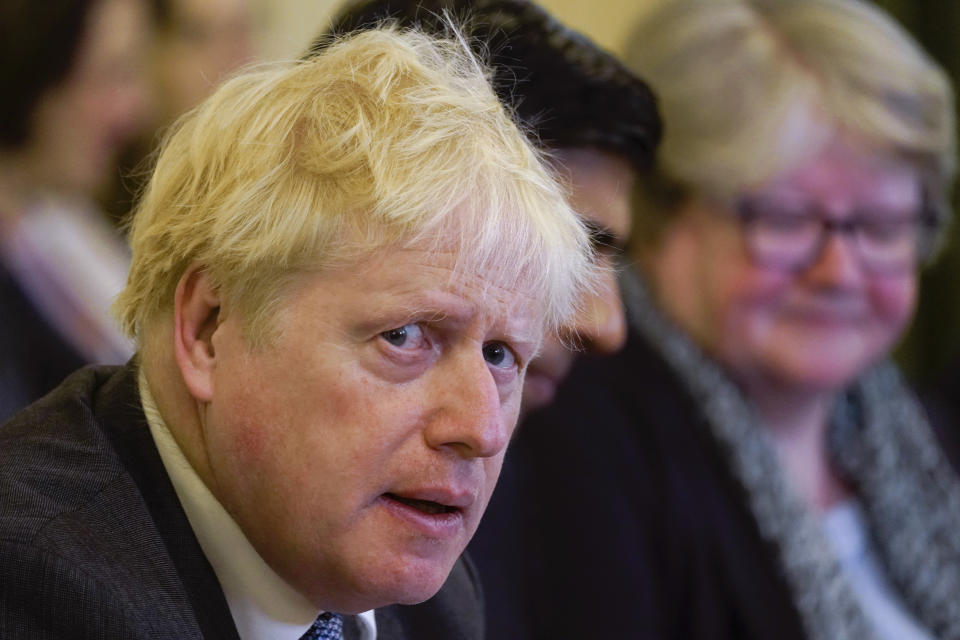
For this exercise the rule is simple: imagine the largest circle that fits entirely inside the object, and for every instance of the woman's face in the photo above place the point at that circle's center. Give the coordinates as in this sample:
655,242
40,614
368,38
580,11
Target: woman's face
79,125
813,326
205,41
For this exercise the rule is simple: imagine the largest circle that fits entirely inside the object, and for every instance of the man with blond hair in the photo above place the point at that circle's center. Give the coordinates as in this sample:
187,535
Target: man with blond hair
341,268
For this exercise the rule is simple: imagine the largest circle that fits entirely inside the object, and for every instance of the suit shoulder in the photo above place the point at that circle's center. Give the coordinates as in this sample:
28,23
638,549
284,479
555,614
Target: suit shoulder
54,459
45,595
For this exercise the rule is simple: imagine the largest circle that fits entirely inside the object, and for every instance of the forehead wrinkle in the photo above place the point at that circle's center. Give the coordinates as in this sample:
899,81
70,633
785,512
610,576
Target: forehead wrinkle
474,280
412,284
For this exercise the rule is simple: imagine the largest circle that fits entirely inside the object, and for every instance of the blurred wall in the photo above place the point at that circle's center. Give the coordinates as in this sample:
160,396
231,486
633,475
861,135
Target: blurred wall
607,22
288,26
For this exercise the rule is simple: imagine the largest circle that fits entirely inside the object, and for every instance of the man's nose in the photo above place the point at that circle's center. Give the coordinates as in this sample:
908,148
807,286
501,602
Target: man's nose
600,325
467,417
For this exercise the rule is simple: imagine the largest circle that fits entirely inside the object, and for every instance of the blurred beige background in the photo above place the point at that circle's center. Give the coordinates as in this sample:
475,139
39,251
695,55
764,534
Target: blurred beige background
288,26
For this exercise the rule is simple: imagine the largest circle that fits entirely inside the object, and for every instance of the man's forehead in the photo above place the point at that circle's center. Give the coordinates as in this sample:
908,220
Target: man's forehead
421,283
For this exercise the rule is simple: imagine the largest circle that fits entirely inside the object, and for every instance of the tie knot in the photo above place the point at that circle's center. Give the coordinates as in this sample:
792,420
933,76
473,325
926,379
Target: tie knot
327,626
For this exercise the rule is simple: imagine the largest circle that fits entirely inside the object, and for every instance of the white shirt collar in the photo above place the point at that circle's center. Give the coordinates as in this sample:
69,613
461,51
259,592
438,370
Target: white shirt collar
263,605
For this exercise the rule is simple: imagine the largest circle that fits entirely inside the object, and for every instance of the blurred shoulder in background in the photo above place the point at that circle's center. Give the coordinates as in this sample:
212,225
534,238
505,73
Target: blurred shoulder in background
75,93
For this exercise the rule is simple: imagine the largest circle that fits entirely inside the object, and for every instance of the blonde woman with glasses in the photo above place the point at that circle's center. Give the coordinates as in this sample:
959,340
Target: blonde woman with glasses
751,465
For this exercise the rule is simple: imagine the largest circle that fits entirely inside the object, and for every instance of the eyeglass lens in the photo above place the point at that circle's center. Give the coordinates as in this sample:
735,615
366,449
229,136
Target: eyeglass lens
794,239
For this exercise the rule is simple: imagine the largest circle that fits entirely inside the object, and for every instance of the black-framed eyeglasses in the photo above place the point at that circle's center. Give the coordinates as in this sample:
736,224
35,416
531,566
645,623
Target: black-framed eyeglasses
794,238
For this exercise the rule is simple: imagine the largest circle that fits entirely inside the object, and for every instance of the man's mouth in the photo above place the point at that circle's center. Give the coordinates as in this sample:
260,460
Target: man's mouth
426,506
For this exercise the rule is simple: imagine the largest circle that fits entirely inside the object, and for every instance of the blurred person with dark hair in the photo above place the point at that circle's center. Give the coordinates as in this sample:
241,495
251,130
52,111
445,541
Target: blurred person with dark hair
599,124
72,72
751,465
197,45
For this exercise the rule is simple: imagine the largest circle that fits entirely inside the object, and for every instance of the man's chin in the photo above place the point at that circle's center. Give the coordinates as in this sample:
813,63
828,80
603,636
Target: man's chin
409,580
408,589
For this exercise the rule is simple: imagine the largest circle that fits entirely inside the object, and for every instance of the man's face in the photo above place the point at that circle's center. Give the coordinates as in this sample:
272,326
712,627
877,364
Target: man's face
359,449
600,185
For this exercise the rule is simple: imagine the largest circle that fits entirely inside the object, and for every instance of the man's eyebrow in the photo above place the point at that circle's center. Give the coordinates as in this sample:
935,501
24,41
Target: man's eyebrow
602,238
418,305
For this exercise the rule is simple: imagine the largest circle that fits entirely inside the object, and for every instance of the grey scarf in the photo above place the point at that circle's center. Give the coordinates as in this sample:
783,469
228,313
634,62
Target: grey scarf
881,441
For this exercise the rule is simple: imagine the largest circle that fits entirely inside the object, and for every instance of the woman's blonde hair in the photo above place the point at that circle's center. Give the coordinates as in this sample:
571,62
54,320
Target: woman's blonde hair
749,89
387,137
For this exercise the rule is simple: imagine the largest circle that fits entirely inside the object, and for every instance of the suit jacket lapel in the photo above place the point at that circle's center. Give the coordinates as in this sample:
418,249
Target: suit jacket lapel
117,407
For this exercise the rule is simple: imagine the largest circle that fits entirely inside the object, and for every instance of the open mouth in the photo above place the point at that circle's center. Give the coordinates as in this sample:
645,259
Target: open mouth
425,506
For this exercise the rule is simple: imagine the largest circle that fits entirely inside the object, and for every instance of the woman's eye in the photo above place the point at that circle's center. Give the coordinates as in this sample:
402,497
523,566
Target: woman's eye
408,336
779,223
497,354
891,230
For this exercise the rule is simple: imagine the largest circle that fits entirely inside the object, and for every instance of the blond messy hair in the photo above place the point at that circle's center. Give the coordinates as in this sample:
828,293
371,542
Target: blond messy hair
749,89
385,138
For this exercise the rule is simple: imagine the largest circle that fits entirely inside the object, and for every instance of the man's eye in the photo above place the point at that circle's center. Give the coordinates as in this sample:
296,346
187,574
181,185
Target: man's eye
497,354
408,336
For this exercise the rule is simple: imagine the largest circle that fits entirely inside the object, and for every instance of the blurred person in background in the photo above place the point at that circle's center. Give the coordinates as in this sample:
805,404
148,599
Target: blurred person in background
198,44
600,125
751,465
74,93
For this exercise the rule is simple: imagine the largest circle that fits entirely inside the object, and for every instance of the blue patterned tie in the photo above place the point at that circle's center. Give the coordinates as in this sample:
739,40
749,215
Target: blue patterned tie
327,626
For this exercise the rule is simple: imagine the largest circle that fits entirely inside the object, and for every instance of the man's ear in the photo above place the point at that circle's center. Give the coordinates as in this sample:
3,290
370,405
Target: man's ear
196,315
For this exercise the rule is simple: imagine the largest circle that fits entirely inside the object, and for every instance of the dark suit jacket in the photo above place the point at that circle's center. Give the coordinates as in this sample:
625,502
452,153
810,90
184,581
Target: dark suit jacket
95,544
616,517
942,403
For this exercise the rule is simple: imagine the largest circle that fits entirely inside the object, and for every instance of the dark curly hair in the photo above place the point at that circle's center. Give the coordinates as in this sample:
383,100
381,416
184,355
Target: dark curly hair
561,86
